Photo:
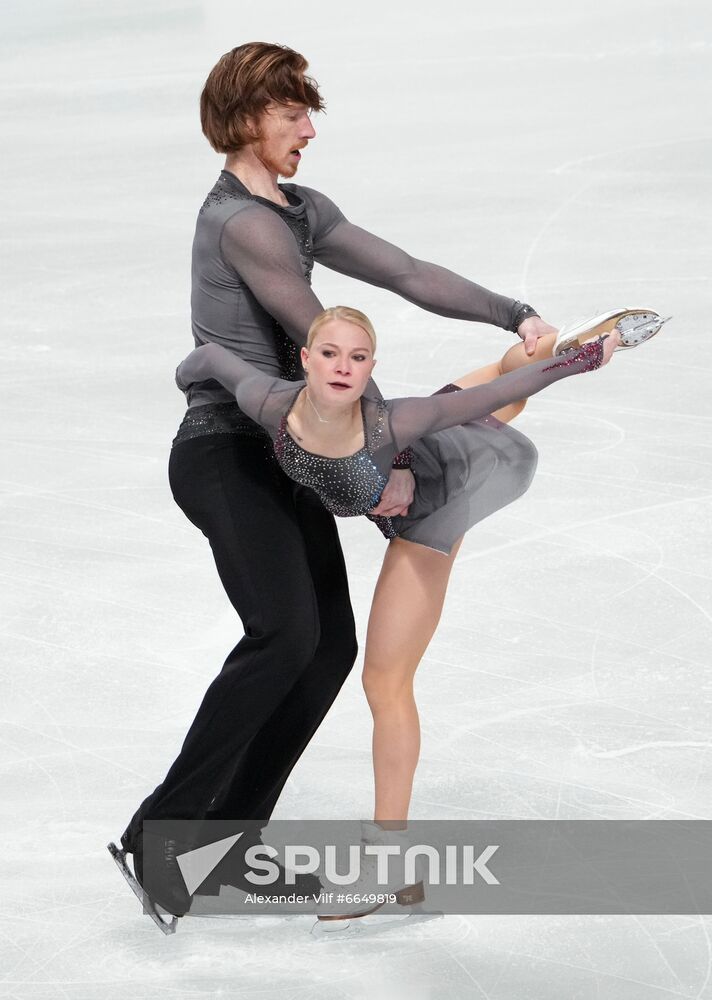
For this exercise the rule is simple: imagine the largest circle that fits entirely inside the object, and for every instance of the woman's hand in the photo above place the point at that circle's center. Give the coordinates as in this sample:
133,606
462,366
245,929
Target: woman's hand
192,368
531,329
397,494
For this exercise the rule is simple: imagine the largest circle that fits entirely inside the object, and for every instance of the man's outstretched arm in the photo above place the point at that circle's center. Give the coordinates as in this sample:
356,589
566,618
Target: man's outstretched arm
349,249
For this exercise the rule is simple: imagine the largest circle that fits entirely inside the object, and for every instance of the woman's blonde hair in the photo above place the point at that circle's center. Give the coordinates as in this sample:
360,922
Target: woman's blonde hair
347,314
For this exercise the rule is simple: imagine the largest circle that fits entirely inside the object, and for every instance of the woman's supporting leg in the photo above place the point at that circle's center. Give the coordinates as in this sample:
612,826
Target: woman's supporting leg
515,357
406,608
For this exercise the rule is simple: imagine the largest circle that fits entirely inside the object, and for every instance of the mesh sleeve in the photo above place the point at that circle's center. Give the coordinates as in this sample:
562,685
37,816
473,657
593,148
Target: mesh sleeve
263,251
344,247
414,416
253,390
324,214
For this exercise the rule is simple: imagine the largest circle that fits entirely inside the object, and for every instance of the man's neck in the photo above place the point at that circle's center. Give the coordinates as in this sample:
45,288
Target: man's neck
255,176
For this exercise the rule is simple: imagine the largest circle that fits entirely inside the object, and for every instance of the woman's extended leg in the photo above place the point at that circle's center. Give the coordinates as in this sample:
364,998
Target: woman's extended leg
515,357
405,612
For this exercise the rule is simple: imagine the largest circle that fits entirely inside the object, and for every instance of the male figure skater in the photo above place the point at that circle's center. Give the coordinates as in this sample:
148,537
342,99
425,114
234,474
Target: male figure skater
276,548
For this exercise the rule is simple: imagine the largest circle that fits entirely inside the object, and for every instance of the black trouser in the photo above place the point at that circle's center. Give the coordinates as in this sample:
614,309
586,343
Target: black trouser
279,558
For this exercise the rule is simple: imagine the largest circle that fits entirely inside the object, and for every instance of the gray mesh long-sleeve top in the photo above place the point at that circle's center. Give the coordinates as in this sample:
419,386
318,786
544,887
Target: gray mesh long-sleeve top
468,463
252,263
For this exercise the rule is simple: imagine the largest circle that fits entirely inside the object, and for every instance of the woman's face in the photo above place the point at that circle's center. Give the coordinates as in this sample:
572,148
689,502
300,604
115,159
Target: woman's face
340,361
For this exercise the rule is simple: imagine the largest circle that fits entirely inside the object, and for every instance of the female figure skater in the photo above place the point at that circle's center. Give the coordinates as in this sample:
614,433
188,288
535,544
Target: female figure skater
334,433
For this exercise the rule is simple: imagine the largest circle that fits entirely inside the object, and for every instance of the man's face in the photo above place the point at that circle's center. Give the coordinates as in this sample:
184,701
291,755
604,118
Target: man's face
285,129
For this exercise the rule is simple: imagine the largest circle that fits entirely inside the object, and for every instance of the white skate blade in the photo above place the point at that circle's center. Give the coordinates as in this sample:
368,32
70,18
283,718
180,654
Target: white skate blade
637,328
634,325
372,924
119,857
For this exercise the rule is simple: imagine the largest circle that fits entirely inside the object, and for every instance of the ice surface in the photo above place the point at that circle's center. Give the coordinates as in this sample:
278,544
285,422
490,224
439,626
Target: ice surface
556,152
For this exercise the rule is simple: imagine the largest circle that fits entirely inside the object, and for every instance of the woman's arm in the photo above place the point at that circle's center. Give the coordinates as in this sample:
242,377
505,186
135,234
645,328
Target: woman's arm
250,386
415,416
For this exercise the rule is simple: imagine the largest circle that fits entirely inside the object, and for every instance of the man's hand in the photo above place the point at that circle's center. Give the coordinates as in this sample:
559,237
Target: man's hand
531,329
397,494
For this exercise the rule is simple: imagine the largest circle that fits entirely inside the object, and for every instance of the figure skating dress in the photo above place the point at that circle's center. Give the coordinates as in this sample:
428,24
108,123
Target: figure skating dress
467,465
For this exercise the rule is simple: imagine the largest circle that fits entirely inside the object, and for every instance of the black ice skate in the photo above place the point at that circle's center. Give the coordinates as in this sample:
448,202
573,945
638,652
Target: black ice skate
168,896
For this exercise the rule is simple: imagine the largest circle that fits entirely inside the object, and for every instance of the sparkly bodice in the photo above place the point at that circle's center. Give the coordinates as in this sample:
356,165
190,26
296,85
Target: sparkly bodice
348,486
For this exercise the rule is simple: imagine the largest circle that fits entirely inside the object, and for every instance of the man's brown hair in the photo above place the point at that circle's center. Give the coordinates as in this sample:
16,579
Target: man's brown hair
241,85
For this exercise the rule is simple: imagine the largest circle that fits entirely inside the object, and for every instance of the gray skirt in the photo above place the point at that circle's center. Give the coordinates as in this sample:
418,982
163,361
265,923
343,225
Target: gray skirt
462,475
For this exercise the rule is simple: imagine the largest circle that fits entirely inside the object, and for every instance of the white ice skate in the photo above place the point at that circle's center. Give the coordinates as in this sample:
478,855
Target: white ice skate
634,325
154,912
365,917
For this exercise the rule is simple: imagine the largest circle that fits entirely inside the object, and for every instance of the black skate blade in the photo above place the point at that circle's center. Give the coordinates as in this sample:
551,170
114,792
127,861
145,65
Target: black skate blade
119,857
